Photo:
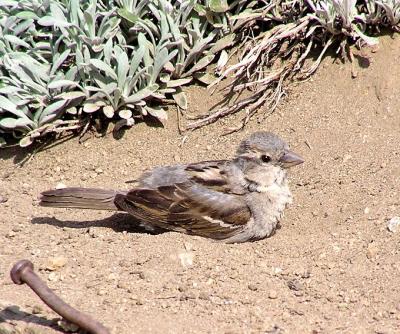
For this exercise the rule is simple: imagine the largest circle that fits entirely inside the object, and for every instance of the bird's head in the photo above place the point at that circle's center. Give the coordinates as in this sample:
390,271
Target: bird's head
267,149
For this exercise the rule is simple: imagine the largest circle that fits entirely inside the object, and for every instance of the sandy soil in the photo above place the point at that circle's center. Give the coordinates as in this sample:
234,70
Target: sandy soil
333,267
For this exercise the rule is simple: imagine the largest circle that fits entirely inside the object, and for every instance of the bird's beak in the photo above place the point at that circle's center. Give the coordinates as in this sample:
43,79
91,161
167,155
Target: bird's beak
290,159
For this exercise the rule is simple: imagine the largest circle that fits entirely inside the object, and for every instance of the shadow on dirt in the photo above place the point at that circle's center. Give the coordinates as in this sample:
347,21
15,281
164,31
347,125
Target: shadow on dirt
119,222
13,313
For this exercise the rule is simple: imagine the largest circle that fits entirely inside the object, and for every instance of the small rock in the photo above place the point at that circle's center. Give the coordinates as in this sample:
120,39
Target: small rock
112,277
273,294
188,295
139,302
347,157
99,171
372,250
142,275
204,295
11,234
53,277
93,232
295,285
17,228
210,281
122,285
277,270
101,292
186,259
3,199
393,224
124,264
60,185
67,326
37,309
91,284
306,274
55,263
252,287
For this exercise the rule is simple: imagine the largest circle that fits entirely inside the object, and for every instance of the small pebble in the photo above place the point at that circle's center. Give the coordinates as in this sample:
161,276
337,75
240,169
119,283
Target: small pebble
295,285
93,232
372,250
53,277
67,326
122,285
393,224
17,228
36,309
3,199
186,259
55,263
273,294
252,287
112,277
101,292
139,302
60,185
204,295
11,234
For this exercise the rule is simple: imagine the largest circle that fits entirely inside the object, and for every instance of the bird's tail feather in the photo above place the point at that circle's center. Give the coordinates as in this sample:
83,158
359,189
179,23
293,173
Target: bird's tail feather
82,198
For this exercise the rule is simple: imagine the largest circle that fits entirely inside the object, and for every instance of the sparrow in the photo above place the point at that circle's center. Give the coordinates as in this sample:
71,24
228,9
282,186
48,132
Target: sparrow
234,201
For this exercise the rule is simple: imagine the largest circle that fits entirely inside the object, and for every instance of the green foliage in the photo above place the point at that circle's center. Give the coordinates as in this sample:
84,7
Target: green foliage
67,59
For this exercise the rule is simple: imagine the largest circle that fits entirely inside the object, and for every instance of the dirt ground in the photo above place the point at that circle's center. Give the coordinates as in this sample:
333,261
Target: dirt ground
332,267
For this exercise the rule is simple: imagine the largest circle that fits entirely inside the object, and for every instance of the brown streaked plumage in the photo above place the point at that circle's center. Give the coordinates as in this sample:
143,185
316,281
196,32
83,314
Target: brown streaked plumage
234,200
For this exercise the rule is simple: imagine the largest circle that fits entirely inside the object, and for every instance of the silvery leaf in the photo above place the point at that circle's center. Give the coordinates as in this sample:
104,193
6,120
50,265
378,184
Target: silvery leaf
158,113
61,83
125,113
90,107
26,141
102,66
180,98
108,111
142,94
51,112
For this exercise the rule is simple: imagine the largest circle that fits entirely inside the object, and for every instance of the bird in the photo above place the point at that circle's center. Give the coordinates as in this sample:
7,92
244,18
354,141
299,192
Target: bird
233,201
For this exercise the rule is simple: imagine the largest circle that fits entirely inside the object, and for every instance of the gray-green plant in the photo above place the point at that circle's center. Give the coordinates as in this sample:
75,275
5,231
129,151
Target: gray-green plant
68,60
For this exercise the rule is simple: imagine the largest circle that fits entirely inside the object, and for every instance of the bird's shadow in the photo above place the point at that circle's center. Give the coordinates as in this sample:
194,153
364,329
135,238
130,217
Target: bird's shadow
118,222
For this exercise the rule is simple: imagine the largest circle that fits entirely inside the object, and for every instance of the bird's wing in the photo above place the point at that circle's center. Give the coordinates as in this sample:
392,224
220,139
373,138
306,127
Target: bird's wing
210,174
190,207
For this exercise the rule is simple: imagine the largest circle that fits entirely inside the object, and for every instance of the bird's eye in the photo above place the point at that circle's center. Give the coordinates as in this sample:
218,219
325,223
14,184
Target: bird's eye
265,158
